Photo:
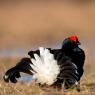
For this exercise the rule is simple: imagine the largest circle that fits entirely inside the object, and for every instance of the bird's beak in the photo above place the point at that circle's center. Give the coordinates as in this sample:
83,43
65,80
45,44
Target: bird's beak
78,43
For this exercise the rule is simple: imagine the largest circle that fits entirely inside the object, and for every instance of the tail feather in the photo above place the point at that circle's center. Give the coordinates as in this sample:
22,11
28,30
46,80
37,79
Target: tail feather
68,71
13,73
45,67
66,64
47,70
68,75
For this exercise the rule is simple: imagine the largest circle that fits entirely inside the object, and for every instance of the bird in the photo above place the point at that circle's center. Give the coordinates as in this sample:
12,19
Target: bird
53,67
71,49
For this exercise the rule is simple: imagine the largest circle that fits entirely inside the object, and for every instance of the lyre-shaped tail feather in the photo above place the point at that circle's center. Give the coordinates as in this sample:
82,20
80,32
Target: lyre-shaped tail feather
68,70
13,73
45,67
69,73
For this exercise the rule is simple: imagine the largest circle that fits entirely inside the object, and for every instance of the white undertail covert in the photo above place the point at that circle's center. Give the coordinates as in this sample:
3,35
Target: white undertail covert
45,67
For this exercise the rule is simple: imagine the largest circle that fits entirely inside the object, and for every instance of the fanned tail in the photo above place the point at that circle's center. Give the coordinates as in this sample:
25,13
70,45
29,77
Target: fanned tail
45,67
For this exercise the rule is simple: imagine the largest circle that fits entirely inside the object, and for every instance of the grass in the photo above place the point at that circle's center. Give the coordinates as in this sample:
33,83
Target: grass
33,89
30,88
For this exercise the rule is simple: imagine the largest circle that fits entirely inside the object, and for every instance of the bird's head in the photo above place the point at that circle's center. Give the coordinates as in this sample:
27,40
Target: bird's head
74,39
70,42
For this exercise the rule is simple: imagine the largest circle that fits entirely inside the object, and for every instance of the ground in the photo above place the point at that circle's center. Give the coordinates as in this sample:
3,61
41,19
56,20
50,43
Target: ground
30,88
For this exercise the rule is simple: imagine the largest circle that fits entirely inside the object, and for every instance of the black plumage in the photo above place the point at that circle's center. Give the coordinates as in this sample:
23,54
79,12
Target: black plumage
77,55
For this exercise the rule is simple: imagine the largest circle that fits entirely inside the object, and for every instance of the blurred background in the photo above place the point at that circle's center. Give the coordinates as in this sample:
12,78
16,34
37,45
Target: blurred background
27,24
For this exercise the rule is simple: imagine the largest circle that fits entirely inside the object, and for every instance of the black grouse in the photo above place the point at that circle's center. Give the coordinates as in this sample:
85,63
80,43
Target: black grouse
62,66
71,49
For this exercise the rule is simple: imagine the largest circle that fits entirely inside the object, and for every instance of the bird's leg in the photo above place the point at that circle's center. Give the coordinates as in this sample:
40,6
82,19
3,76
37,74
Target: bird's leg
77,84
